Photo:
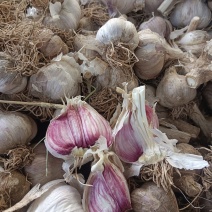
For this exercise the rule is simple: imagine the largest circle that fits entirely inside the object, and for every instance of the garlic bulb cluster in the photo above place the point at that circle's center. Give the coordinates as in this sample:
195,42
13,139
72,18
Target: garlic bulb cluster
65,15
61,78
152,52
11,82
78,126
186,10
173,90
43,169
118,30
124,6
60,197
17,129
194,42
109,188
157,24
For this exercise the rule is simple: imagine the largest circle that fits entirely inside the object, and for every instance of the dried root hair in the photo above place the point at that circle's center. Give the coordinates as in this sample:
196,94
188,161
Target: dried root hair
97,12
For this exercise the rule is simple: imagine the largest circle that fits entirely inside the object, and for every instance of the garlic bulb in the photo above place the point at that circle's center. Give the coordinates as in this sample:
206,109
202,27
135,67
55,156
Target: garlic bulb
186,10
78,126
152,6
114,77
118,30
108,190
13,187
124,6
12,123
173,90
193,42
150,197
59,79
207,94
43,169
50,45
60,197
65,15
157,24
10,82
152,52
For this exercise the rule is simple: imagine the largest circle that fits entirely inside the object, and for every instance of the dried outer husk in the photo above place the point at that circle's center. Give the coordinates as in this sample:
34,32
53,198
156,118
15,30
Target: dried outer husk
13,187
150,197
152,52
12,123
43,168
60,79
11,82
186,10
61,197
207,94
159,25
173,90
65,15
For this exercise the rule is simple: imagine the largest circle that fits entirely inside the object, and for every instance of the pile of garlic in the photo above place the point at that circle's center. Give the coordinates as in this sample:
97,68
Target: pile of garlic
110,95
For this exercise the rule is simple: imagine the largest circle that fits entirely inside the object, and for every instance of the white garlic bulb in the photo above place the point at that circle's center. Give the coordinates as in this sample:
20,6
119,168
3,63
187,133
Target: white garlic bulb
118,30
65,15
56,80
60,197
11,82
43,169
173,90
123,6
157,24
186,10
194,42
152,52
16,129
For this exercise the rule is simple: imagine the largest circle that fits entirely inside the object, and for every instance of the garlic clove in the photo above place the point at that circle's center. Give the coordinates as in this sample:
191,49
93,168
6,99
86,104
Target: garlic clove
43,169
173,90
108,188
186,10
78,125
12,123
57,80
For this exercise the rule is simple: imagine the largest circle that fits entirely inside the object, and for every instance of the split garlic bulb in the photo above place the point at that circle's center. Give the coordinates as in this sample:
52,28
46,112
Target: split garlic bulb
16,129
124,6
65,15
60,197
55,81
118,30
186,10
157,24
152,52
194,42
10,82
173,90
43,169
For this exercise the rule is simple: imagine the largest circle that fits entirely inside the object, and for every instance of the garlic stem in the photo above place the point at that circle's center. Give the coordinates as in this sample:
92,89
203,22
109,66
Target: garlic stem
198,76
196,115
167,6
193,24
40,104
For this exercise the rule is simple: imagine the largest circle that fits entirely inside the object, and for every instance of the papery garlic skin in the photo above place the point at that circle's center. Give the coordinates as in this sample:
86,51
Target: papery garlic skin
109,190
57,80
78,125
64,15
42,170
16,129
60,197
118,30
124,6
10,82
186,10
